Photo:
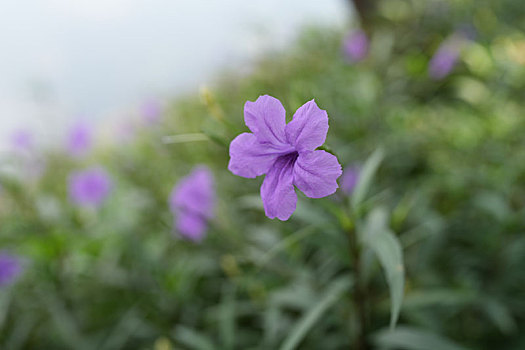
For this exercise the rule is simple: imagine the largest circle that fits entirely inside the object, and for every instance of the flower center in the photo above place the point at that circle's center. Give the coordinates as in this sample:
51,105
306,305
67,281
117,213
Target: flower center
290,158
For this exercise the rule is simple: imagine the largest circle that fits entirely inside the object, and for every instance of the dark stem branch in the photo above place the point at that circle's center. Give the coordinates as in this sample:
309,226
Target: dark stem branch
365,10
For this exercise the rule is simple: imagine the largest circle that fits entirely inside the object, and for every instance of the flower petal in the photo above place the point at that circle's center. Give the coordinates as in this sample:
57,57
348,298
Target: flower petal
191,226
277,191
308,128
316,173
266,118
250,158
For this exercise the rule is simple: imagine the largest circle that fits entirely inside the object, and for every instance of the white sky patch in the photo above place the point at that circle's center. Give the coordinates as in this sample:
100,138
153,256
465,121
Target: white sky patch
64,58
94,9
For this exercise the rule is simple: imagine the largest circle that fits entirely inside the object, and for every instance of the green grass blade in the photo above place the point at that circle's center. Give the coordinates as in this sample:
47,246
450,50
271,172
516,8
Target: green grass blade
300,330
366,176
380,239
408,338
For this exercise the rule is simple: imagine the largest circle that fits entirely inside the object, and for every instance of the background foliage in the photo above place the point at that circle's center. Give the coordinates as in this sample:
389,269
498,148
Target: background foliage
450,188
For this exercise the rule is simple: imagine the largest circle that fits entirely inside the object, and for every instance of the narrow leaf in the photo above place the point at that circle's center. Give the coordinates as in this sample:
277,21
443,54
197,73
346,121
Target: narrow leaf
193,339
366,176
379,238
408,338
300,330
227,317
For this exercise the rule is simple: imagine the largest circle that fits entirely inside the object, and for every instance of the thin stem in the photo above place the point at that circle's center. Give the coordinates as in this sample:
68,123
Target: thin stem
183,138
359,295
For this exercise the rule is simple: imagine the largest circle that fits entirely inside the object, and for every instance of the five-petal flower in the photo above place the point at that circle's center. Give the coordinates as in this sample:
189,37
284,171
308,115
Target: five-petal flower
286,153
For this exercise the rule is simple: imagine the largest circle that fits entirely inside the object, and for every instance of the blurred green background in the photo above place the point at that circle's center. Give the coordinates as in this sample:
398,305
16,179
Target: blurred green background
452,181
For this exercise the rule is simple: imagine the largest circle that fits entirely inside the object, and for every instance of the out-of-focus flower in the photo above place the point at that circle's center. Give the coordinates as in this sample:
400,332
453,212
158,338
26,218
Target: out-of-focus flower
355,46
10,268
79,139
446,56
89,188
349,179
125,131
192,201
22,140
285,153
30,165
151,111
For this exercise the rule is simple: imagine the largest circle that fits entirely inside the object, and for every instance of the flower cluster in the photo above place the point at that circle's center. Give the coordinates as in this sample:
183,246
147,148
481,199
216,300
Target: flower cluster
192,202
286,153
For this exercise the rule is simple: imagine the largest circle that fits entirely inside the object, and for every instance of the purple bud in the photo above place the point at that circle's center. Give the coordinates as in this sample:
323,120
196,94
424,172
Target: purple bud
151,111
80,139
355,46
89,188
192,201
10,268
349,179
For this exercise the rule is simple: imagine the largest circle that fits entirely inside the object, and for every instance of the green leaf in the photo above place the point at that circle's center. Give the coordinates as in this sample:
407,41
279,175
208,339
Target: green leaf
408,338
128,326
379,238
366,176
65,322
227,317
500,316
313,315
193,339
20,332
295,237
271,324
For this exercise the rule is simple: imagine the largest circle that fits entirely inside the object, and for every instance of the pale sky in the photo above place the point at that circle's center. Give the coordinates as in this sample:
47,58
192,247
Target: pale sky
98,58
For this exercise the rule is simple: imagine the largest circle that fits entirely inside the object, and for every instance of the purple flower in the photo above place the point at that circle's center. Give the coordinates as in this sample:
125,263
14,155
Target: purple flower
10,268
445,58
89,188
79,139
285,153
22,140
192,201
349,180
355,46
151,111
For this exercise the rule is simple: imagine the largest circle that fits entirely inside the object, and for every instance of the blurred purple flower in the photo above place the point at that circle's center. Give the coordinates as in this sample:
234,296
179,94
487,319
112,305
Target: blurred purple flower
349,179
151,111
355,46
285,153
447,56
443,62
192,201
80,139
22,140
10,268
89,187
